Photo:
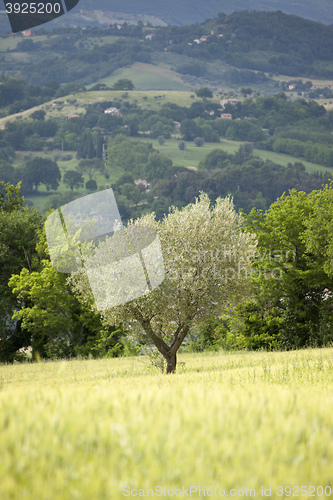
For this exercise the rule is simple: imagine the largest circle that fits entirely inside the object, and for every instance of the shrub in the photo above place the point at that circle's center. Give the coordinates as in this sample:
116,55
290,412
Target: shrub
66,157
91,185
199,141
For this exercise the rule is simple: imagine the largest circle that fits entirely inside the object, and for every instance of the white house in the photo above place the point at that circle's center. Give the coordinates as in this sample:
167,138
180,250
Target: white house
112,111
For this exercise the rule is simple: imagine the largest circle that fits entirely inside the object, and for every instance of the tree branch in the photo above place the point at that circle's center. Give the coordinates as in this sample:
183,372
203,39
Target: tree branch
175,345
159,343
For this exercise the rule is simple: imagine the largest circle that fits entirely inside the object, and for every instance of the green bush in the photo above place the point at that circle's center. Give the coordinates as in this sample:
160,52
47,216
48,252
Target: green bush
213,335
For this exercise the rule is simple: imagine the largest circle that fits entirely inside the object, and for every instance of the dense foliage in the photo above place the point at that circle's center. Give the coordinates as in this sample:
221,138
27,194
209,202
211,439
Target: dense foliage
19,228
265,41
291,306
42,312
66,59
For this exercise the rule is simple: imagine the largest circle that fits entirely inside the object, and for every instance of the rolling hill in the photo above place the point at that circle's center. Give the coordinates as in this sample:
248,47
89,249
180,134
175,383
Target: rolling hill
193,11
173,12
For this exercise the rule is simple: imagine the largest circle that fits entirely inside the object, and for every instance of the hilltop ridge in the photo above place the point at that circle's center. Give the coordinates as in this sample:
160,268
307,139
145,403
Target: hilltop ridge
193,11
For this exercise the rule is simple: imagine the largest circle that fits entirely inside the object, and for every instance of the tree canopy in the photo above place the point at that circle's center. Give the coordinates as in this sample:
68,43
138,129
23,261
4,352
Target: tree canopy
42,171
19,227
123,84
207,262
291,304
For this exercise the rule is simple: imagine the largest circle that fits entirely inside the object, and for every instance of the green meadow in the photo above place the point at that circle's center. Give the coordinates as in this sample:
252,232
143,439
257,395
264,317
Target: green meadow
148,77
193,154
111,428
43,199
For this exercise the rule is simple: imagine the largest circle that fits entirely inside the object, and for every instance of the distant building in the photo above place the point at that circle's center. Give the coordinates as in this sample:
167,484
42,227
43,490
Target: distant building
226,116
177,125
143,183
27,33
233,102
112,111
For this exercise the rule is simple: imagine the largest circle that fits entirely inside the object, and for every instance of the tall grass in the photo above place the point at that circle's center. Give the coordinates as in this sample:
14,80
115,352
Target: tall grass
88,429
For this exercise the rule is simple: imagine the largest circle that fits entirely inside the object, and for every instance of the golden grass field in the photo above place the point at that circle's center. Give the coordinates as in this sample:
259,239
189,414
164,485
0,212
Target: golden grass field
112,428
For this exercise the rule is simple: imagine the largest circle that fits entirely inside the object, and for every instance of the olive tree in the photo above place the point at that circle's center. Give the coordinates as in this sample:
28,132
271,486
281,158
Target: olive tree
207,261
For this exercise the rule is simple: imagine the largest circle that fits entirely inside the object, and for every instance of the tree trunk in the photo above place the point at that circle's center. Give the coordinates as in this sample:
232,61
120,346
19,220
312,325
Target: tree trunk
171,363
168,352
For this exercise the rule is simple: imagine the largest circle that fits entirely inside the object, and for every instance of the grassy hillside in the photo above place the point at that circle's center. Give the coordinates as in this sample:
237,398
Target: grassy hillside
193,154
149,99
89,429
45,198
148,77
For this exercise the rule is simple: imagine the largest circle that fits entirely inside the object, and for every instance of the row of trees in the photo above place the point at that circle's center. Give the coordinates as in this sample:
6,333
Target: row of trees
268,273
42,312
45,171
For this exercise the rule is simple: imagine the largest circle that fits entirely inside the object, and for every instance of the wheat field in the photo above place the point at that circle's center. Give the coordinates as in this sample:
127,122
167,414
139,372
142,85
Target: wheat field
237,425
